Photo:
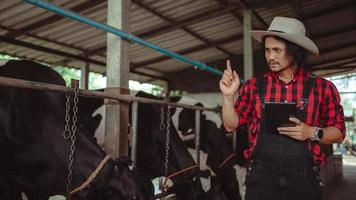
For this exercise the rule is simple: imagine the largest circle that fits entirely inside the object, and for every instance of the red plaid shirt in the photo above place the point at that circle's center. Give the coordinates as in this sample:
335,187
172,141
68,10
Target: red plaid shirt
323,108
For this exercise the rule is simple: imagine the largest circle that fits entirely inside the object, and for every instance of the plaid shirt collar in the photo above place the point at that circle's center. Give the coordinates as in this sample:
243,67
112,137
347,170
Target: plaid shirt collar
299,74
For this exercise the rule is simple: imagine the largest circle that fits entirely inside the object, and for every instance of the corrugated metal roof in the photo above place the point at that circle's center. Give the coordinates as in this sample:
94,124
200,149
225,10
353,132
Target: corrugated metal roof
205,30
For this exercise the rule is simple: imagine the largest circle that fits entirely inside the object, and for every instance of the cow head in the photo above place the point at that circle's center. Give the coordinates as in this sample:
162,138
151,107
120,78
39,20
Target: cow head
34,154
119,180
187,120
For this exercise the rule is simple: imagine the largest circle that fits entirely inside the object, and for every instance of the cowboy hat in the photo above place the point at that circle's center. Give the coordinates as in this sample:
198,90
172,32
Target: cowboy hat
289,29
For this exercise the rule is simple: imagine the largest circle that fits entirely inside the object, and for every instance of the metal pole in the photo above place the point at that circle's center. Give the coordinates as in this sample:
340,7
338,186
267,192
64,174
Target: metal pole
122,34
18,83
197,135
133,139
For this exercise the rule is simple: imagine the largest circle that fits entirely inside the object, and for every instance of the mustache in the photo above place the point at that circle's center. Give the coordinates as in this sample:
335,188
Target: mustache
270,62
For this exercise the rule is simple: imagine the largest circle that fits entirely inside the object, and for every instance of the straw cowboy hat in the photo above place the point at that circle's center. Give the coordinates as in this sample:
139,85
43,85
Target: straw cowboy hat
290,29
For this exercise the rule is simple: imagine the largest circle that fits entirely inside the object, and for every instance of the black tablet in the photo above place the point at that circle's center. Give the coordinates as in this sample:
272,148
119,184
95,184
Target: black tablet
277,115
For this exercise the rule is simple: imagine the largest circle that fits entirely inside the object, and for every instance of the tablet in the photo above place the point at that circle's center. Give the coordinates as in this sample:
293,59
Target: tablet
277,115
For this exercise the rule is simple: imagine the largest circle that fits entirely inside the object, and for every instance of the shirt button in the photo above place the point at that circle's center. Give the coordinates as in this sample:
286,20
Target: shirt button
286,86
286,101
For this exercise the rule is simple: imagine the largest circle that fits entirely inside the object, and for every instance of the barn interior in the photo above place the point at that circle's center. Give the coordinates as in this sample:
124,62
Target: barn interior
206,31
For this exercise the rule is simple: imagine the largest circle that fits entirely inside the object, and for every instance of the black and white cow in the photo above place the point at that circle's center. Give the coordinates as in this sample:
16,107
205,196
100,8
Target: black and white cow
34,154
216,149
151,144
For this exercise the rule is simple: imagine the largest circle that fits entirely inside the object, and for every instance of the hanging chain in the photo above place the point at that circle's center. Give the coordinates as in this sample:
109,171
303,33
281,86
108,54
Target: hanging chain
162,126
66,132
73,139
168,126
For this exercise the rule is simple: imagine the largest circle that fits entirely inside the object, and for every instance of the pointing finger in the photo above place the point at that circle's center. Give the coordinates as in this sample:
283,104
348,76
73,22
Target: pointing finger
228,74
228,66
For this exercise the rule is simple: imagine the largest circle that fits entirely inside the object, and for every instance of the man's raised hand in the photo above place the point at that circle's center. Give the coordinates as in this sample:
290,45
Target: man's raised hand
230,81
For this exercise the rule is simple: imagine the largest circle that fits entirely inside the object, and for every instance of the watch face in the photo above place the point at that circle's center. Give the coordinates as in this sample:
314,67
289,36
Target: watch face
320,133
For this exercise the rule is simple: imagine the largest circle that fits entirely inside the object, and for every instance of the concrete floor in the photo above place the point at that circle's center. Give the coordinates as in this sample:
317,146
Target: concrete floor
343,187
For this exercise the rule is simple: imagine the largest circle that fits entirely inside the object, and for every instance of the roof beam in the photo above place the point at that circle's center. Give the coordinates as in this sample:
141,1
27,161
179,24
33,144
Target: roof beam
336,66
190,50
328,11
48,50
214,12
255,4
246,5
173,23
227,4
335,60
52,19
338,72
333,32
44,39
232,8
65,54
224,41
151,76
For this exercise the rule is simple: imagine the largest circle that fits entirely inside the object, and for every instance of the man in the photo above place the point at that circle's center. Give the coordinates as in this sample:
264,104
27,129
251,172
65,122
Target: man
284,163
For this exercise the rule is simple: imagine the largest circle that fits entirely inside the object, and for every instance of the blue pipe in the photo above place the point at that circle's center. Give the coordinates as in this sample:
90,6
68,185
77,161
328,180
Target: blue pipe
122,34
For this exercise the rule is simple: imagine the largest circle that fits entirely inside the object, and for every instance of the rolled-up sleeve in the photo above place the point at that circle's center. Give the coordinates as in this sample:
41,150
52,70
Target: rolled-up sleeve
243,105
332,113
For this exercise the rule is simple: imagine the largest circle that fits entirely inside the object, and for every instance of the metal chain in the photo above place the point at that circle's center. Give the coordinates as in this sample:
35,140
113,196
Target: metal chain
162,126
66,132
73,139
168,126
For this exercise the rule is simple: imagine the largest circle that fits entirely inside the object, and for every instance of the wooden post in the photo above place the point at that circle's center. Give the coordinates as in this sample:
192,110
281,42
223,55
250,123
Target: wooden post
134,126
197,135
117,70
84,76
248,50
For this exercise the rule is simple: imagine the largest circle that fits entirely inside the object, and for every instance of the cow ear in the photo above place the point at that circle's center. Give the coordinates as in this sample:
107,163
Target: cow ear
203,117
175,99
199,104
87,106
92,124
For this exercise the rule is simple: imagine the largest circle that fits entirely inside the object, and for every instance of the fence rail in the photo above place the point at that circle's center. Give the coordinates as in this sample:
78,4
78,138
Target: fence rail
18,83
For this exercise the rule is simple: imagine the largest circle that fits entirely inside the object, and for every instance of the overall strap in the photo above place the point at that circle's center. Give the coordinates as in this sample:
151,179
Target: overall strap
261,86
308,87
306,92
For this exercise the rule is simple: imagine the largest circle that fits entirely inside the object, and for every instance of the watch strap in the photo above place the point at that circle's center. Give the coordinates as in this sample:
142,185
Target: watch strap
316,134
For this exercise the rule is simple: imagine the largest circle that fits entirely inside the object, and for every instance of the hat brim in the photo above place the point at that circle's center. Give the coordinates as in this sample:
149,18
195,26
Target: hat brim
302,41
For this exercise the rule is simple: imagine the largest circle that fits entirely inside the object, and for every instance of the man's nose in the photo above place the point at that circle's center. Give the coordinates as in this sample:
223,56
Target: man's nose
271,56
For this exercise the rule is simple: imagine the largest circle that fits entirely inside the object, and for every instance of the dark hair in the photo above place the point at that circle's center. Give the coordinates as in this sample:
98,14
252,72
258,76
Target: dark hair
298,52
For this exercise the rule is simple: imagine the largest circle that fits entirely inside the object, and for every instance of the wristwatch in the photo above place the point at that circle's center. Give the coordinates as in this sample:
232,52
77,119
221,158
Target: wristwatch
318,134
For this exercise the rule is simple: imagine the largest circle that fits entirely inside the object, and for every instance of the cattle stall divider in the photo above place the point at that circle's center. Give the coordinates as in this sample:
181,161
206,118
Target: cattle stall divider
25,84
